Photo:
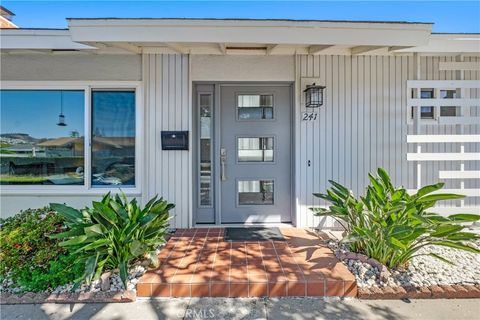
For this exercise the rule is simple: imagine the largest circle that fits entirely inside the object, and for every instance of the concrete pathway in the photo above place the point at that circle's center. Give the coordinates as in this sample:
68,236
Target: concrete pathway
239,308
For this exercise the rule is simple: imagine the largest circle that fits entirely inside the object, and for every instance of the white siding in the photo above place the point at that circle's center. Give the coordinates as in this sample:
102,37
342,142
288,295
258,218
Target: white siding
363,126
167,107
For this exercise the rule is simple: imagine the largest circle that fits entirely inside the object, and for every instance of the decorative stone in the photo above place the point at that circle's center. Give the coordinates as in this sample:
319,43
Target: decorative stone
374,263
362,258
418,292
351,256
437,291
105,281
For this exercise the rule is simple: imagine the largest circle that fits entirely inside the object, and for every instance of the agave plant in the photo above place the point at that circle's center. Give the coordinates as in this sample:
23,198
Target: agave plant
390,225
113,233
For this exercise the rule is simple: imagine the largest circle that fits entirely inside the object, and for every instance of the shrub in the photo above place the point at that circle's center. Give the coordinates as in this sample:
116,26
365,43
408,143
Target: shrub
29,257
113,233
390,225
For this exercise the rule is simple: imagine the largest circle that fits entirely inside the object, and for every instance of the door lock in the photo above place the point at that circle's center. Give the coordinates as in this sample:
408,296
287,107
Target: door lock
223,159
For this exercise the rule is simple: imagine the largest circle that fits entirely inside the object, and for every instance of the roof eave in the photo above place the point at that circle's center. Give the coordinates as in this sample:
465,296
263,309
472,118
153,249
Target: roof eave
285,32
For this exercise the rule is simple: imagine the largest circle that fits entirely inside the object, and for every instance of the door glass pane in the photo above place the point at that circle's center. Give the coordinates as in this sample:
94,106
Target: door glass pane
255,106
205,150
113,138
255,192
255,149
42,137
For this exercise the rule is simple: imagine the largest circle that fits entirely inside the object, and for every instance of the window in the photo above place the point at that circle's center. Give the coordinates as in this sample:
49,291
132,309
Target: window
113,138
255,192
255,106
42,137
205,178
255,149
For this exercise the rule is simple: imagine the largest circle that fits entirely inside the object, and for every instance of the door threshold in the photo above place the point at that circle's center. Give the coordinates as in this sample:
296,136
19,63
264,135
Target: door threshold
239,225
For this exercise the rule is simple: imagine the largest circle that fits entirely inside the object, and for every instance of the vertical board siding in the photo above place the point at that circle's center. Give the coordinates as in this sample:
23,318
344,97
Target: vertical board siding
363,125
166,90
358,128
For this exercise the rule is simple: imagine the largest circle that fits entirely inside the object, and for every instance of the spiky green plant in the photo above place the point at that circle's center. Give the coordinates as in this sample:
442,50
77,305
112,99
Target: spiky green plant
113,233
390,225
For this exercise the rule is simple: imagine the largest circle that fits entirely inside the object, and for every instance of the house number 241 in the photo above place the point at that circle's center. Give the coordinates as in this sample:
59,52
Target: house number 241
309,116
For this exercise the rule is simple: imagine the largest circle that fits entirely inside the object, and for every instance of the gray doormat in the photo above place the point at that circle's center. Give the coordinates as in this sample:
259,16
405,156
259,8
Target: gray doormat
253,234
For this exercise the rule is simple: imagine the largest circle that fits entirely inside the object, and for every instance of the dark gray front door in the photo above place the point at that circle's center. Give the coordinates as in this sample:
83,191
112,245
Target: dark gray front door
255,154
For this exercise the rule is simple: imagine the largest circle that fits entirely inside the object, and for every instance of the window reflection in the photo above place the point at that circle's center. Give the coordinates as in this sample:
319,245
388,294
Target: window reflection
255,106
113,138
255,149
205,150
35,146
255,192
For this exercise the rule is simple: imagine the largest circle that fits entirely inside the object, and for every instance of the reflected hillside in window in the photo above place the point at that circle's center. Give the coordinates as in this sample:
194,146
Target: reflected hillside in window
35,148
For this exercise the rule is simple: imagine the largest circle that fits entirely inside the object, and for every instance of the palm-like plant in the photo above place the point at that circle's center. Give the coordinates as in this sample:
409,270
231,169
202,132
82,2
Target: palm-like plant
113,233
392,226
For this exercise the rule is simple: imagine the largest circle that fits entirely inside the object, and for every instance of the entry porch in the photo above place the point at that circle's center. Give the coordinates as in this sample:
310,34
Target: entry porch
200,263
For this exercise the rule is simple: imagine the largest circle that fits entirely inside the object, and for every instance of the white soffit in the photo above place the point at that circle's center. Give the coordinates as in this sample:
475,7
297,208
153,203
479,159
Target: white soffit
283,32
39,39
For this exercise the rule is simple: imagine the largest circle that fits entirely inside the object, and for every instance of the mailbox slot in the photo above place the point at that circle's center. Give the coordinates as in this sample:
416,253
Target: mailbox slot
174,140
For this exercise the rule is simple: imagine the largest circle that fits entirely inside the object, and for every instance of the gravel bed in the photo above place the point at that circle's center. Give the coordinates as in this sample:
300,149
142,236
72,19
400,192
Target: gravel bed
422,270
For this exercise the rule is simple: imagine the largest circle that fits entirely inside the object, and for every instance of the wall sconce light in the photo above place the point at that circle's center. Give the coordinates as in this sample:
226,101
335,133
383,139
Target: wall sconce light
313,96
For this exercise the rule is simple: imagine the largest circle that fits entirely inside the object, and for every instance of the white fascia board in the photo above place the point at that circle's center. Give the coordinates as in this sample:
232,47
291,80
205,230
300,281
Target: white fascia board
449,43
249,31
26,39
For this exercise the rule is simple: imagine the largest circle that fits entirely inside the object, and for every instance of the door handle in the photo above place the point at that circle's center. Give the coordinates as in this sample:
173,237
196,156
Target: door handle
223,159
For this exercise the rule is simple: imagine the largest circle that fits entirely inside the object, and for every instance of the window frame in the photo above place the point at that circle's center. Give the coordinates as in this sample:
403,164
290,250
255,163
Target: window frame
87,87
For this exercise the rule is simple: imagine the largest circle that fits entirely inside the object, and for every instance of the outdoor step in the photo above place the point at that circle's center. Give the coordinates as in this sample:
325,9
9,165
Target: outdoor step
200,263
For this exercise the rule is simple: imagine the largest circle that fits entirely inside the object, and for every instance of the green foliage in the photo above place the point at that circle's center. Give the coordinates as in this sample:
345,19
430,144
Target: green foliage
390,225
113,233
29,257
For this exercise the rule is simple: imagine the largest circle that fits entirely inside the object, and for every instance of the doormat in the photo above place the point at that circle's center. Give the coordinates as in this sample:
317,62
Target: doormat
253,234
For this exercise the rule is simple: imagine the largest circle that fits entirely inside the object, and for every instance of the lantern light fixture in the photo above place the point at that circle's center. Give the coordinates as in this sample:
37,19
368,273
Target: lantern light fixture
313,96
61,116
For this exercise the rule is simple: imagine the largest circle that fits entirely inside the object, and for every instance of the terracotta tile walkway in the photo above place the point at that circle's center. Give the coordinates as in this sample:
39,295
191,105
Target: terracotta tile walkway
199,263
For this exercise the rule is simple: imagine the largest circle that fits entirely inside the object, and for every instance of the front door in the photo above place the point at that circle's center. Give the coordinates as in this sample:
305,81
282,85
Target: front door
255,154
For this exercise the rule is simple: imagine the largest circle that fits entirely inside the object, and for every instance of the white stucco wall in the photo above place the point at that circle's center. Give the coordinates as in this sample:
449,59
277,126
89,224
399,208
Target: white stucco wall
70,66
242,68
